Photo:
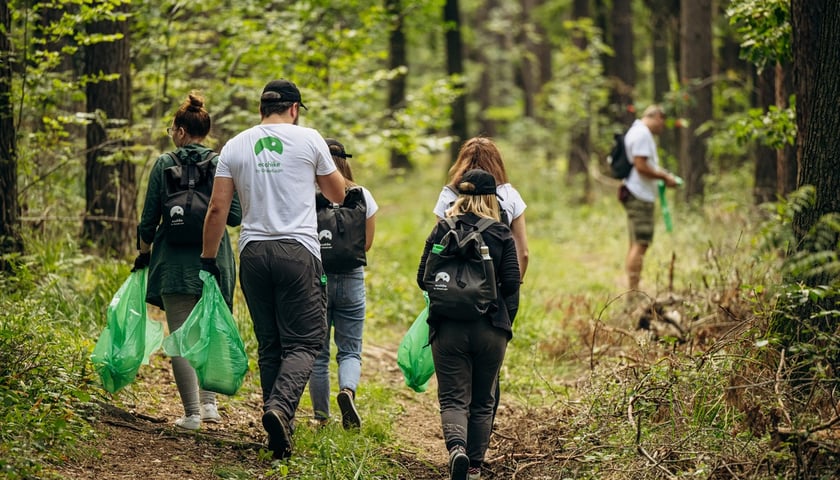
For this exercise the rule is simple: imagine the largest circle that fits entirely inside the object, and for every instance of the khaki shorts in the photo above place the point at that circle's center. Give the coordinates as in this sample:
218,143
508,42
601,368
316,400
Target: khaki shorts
639,218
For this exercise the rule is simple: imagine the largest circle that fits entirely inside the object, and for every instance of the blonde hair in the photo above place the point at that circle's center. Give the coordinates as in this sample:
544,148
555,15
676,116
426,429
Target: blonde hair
482,153
482,205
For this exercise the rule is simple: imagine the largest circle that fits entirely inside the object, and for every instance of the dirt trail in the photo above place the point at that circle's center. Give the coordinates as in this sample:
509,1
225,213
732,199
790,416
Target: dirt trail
140,441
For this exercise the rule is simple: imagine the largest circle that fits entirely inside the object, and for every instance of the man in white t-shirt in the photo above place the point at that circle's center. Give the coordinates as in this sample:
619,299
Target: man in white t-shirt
275,166
639,189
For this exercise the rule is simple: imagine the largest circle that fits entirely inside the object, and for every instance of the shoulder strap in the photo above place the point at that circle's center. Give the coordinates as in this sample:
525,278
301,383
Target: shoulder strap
484,224
175,158
453,224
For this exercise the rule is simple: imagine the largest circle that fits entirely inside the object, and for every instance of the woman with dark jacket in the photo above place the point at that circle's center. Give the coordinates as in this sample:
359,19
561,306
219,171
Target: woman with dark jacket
173,260
468,354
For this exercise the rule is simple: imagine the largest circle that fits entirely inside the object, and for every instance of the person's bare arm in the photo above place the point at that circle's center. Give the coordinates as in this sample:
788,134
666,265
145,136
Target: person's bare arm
520,236
643,167
216,218
370,229
332,186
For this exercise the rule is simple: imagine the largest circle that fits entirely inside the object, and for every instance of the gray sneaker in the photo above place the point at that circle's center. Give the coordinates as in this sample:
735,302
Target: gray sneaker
349,415
459,463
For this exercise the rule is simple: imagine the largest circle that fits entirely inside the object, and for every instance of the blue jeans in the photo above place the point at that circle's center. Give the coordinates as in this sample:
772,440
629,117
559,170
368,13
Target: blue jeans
346,316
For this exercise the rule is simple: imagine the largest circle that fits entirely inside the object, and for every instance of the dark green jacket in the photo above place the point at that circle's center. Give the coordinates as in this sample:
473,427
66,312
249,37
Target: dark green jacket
173,269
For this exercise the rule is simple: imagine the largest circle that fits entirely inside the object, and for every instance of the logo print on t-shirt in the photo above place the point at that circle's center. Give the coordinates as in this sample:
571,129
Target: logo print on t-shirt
268,143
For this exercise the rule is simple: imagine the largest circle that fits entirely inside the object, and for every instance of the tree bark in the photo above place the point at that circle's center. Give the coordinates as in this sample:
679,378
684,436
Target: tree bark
110,180
397,58
485,94
816,34
764,189
534,42
624,72
10,238
581,143
696,46
665,20
455,67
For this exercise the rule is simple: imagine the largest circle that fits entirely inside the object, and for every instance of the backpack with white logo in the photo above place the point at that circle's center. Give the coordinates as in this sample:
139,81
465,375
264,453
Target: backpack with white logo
460,282
341,231
188,189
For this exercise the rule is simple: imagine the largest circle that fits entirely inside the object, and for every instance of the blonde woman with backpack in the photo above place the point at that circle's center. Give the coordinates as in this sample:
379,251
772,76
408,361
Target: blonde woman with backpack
468,353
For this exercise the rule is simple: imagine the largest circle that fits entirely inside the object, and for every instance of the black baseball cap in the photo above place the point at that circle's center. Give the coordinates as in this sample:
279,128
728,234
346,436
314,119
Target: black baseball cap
483,182
286,92
336,148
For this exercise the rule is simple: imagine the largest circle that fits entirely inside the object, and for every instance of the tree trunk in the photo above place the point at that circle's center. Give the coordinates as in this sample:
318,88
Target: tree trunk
10,239
534,41
485,94
110,180
816,34
580,144
455,67
665,21
764,189
785,157
696,46
397,86
623,77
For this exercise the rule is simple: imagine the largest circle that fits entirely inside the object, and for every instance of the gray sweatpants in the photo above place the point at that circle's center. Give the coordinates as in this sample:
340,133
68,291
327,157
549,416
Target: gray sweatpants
178,308
468,356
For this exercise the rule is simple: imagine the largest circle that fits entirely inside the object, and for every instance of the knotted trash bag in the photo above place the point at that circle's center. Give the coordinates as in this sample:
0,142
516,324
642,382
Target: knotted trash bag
129,337
210,341
414,355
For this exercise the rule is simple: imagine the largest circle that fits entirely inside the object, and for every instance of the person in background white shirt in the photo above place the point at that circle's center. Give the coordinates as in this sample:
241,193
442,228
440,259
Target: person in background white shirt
638,191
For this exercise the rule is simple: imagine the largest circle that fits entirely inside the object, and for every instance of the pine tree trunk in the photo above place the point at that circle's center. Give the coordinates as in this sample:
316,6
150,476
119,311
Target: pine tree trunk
397,86
455,66
10,239
696,46
816,34
110,181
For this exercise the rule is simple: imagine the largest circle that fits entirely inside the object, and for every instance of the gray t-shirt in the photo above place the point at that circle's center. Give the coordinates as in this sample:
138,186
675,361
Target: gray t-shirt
273,167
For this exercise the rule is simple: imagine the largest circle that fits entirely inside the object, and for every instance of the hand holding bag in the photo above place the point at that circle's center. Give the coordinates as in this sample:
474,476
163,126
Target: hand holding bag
210,341
414,355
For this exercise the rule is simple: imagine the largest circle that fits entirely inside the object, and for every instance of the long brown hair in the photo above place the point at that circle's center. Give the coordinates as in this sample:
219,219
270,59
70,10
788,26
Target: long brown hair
478,152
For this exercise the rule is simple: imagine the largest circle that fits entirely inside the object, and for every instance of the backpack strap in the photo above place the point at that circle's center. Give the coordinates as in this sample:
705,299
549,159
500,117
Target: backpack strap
484,224
175,158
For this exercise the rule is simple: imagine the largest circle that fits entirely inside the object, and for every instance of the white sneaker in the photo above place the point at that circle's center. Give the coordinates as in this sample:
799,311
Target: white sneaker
210,414
191,422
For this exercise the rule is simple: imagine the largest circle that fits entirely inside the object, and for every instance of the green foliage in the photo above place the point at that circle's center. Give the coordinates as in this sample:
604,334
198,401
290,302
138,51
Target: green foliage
765,29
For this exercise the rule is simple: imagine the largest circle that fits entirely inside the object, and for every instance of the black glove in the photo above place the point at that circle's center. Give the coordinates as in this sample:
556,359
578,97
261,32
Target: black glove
209,265
142,261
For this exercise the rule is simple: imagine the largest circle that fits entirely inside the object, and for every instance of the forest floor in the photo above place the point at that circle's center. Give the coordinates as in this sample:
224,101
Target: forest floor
136,444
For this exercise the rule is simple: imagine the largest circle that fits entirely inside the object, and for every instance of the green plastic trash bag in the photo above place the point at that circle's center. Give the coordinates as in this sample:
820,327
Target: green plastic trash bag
129,337
210,341
414,355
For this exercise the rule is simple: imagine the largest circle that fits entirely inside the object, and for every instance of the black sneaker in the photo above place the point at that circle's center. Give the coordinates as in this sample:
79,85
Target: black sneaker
279,435
459,463
349,415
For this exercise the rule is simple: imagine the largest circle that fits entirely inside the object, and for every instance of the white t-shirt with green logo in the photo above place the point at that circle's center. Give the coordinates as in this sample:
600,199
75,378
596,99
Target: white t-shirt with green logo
273,167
